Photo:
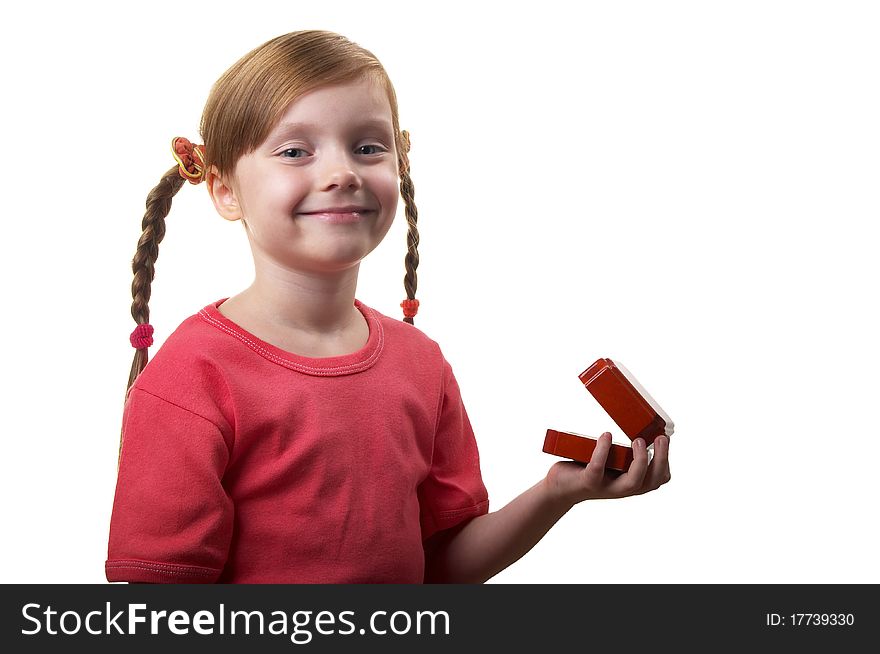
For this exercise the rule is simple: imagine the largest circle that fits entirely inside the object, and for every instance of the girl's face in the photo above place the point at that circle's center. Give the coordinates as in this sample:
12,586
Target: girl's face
332,149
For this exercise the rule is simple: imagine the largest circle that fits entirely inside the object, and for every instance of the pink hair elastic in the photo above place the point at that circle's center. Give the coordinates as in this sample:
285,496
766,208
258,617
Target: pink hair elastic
142,336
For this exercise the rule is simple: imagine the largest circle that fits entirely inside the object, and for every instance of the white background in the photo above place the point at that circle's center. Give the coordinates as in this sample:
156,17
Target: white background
688,187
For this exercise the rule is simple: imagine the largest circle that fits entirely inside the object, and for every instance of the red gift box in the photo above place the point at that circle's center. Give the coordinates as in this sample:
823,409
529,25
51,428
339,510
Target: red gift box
629,405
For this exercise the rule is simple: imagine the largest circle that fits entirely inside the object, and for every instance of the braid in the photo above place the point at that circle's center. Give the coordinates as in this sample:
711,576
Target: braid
143,263
407,190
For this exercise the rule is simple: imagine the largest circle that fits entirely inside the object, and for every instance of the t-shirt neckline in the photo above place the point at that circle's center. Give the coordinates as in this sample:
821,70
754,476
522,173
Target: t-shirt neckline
345,364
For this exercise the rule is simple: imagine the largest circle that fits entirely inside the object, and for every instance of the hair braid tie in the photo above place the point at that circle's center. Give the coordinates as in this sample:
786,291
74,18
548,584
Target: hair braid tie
410,308
142,336
190,158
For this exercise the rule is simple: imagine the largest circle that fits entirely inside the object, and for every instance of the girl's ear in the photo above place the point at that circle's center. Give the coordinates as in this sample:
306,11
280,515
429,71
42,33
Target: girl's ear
222,195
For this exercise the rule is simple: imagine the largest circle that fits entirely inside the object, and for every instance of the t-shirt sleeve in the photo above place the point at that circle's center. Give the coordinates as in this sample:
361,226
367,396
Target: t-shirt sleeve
453,491
171,519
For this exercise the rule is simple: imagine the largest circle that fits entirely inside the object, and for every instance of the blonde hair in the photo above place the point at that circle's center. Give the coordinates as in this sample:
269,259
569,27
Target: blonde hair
243,107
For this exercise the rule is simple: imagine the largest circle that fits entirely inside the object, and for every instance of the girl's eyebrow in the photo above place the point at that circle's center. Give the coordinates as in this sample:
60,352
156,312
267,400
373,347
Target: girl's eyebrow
285,129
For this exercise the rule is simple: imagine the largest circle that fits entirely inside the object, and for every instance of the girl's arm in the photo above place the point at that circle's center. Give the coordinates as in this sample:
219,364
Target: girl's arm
488,544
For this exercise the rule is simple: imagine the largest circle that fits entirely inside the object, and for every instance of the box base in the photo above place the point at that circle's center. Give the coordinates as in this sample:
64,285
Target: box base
580,448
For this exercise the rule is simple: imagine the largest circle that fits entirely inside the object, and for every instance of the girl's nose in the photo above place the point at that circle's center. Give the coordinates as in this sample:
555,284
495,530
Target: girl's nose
339,170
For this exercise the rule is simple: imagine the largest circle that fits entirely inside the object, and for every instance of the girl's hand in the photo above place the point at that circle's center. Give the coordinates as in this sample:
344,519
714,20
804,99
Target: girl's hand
571,482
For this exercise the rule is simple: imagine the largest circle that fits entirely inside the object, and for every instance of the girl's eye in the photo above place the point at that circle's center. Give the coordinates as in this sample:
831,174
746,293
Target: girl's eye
376,150
292,150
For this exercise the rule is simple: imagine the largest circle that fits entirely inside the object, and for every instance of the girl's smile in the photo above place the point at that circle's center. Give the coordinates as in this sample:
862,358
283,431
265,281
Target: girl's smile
346,214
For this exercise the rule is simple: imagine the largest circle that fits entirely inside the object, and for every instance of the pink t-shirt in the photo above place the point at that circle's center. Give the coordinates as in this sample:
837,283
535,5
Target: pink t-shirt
244,463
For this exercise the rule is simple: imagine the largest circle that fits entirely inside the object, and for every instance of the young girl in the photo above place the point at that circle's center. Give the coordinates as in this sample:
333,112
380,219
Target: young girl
291,433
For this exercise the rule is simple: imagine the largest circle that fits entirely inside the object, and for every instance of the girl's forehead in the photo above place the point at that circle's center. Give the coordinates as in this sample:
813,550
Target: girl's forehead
359,100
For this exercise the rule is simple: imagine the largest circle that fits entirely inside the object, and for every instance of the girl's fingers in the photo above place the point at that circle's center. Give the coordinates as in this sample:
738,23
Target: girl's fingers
632,481
658,473
595,471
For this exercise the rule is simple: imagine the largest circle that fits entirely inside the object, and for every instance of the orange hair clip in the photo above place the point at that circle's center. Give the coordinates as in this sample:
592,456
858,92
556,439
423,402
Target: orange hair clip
190,159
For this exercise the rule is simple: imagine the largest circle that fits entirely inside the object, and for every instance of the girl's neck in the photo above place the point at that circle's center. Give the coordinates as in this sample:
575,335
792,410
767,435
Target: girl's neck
305,312
251,315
